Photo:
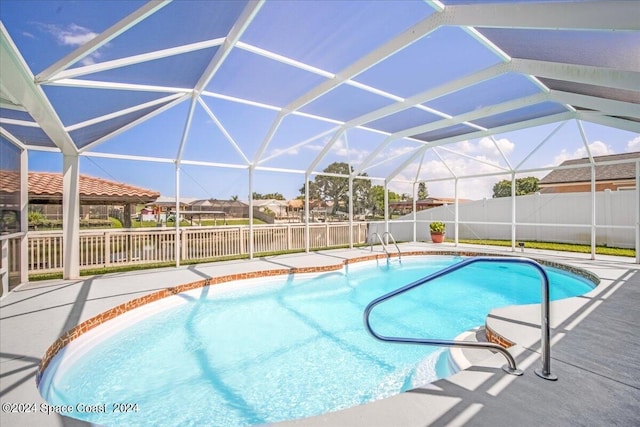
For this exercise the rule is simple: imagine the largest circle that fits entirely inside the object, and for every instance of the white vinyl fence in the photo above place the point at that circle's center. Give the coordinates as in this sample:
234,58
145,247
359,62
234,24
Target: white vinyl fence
560,217
120,247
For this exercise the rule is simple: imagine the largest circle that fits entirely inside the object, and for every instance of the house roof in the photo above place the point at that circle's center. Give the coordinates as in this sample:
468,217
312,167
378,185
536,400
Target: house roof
267,202
46,187
606,172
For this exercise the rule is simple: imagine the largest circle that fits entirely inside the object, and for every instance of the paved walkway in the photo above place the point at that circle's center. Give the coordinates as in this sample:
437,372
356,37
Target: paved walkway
596,343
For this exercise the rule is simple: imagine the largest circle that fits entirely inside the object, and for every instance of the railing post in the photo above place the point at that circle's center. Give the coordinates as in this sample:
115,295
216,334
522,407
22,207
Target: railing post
326,234
4,267
107,249
183,244
241,237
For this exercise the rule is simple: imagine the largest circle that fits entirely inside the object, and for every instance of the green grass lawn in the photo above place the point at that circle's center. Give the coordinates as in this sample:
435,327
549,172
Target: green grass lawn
232,222
564,247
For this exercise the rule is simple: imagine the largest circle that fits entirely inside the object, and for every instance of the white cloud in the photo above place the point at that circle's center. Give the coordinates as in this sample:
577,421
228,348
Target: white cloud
473,188
634,144
74,35
597,148
485,149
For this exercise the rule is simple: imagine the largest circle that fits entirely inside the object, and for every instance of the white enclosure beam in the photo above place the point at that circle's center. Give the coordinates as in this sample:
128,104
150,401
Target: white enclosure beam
456,213
295,147
407,162
223,130
18,81
325,150
409,36
133,123
597,76
306,213
247,15
504,156
103,38
506,128
607,106
267,140
473,115
12,139
24,216
70,217
127,157
386,207
548,137
187,128
283,59
598,15
585,141
638,212
614,122
414,206
94,84
513,212
177,243
124,112
136,59
475,159
18,122
350,212
389,159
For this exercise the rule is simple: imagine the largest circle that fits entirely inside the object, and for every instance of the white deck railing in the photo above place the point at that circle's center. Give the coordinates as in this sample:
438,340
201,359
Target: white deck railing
122,247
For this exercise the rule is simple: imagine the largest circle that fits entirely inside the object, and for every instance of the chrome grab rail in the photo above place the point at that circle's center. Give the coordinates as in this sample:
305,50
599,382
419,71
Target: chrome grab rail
388,233
511,368
384,247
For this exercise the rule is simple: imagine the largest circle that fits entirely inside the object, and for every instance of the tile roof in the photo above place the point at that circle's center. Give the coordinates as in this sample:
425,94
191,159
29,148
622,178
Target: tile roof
613,172
48,185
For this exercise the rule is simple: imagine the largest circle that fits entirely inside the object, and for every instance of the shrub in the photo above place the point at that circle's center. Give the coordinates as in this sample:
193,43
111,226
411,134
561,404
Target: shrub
437,227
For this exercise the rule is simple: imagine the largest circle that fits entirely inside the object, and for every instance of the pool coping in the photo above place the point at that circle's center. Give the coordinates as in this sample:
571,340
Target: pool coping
95,321
593,388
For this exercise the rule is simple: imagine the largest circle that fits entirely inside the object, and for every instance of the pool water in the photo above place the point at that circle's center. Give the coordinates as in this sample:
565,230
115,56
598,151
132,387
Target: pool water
275,349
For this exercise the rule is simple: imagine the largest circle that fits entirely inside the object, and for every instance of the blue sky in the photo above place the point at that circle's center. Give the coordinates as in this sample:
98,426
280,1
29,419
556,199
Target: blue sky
45,31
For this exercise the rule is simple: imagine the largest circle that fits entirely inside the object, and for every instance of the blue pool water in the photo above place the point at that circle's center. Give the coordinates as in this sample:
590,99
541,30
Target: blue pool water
270,350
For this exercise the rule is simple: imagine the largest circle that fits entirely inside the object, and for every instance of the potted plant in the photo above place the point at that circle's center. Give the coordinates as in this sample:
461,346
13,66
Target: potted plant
437,231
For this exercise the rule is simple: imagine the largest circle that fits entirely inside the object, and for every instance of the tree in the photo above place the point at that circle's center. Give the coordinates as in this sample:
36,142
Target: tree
268,196
377,194
423,193
336,188
524,186
235,198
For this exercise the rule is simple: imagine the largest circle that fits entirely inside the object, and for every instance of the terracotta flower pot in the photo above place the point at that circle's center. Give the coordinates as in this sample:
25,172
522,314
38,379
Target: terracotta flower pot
437,237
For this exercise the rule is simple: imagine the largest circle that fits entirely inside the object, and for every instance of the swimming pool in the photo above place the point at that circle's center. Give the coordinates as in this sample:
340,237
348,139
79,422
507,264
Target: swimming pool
273,349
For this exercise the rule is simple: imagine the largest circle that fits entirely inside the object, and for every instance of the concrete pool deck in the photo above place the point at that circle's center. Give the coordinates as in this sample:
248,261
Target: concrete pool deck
595,347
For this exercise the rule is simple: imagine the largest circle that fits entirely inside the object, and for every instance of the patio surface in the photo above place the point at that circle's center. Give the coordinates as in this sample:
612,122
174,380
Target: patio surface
595,347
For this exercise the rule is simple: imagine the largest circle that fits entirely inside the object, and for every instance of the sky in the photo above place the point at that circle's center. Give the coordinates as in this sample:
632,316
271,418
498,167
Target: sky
228,132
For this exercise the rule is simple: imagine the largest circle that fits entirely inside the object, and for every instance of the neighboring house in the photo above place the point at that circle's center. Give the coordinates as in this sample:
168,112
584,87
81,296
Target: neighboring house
620,176
231,208
406,206
279,208
168,204
99,198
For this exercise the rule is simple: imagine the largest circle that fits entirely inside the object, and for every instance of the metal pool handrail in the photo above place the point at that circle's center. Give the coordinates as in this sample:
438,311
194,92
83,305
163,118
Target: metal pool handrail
384,247
511,368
